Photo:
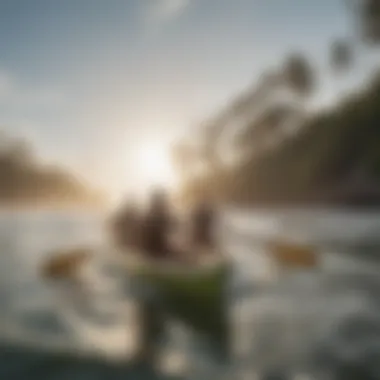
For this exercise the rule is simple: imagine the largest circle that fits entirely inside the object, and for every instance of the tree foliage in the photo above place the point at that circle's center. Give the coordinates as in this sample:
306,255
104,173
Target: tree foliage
369,17
341,56
328,152
299,75
322,150
24,180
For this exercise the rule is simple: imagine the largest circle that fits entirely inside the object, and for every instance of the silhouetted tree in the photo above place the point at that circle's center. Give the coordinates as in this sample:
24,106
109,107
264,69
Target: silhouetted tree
232,118
367,19
23,179
264,127
326,147
369,13
341,56
299,75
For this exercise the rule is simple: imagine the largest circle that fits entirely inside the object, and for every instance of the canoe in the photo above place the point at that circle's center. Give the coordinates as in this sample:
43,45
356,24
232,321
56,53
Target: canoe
195,293
192,292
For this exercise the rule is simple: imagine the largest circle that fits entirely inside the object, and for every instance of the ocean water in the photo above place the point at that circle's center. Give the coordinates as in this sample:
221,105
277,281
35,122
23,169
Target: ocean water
321,324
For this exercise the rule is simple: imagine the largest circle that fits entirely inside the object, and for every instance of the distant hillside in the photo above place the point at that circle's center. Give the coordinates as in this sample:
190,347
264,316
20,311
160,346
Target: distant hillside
267,147
25,181
334,158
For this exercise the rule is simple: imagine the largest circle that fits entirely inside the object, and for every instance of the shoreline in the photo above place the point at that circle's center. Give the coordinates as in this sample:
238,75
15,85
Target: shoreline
41,206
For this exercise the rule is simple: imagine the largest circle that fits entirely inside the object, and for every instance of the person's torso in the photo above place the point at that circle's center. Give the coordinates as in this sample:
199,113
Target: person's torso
156,229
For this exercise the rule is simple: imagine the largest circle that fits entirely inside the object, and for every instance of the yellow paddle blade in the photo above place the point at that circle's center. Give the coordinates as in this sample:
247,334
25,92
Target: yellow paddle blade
64,263
293,255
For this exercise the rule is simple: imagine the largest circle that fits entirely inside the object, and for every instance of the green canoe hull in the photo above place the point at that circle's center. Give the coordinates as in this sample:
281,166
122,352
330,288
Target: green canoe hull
196,296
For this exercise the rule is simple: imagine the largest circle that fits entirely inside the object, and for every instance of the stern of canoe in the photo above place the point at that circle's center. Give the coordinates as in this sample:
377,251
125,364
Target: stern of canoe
197,299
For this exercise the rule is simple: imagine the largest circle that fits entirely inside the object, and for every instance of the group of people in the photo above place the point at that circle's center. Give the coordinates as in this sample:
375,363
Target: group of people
152,231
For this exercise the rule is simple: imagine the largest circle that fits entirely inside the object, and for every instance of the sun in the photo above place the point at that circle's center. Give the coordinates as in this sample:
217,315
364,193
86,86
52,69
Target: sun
155,166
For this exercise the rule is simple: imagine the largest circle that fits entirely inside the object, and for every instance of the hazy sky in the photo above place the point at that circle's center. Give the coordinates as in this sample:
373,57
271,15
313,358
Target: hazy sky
88,81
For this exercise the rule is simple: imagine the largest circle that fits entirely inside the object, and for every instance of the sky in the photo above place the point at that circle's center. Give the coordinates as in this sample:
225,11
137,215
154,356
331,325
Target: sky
90,82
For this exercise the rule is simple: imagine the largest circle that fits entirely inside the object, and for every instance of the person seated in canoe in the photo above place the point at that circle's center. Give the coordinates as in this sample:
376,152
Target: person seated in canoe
156,226
202,225
125,225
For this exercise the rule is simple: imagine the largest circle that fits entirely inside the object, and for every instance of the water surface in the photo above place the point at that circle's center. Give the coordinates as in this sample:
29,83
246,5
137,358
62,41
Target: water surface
313,323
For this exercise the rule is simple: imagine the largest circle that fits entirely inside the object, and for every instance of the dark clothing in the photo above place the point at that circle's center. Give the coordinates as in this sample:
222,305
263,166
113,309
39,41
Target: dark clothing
156,230
203,221
125,226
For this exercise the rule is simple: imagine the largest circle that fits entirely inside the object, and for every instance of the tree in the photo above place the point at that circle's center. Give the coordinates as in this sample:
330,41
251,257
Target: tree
270,123
24,179
266,125
370,20
367,16
299,75
279,100
341,56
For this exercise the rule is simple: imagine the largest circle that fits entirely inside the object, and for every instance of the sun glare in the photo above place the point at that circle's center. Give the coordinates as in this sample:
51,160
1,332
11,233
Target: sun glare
155,166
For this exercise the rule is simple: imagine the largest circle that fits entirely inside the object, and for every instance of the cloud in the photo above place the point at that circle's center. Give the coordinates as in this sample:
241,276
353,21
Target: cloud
165,10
